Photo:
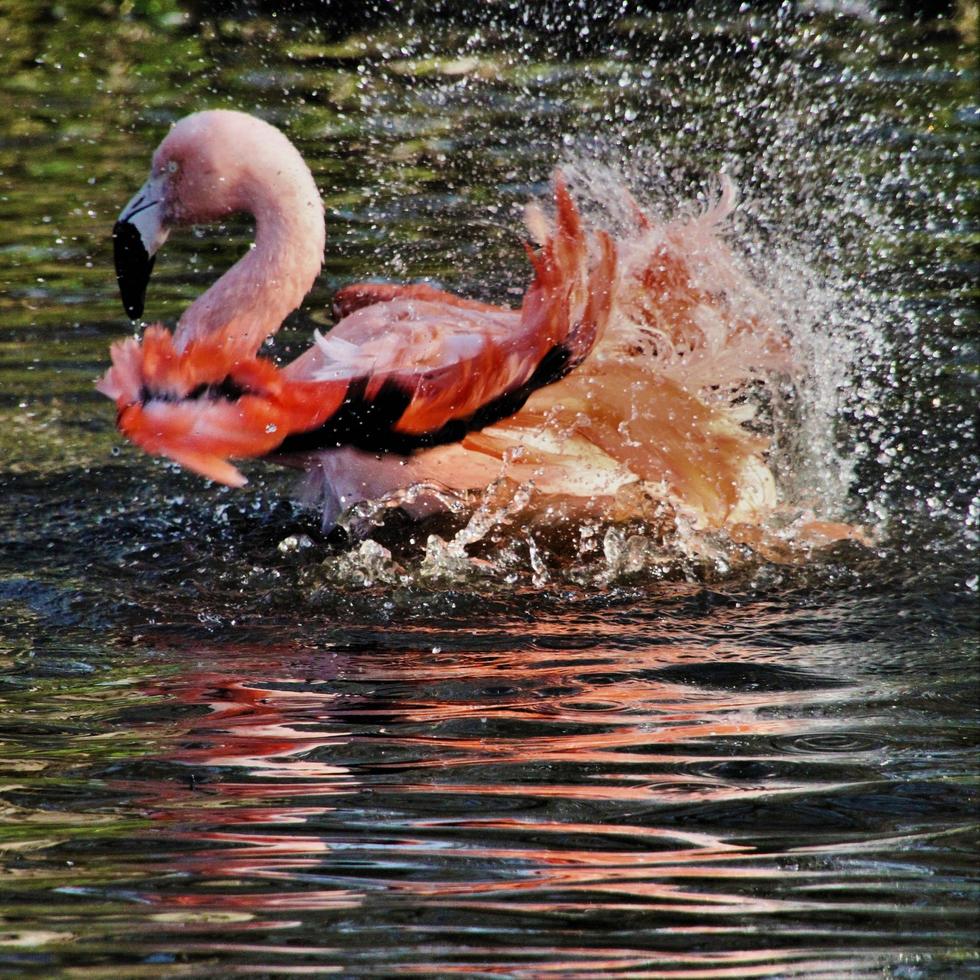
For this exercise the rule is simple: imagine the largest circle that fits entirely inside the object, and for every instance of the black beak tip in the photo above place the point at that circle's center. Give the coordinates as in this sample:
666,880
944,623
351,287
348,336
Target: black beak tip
133,267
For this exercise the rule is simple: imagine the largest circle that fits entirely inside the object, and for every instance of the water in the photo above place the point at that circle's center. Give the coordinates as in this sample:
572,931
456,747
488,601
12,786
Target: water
232,746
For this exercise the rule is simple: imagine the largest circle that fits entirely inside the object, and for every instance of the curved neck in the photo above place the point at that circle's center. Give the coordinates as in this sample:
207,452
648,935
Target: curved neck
251,300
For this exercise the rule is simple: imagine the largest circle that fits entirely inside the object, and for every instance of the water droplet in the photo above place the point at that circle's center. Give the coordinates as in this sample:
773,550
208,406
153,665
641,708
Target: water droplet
295,542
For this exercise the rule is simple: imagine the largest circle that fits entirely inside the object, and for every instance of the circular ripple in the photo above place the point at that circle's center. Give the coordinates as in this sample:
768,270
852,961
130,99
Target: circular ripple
836,742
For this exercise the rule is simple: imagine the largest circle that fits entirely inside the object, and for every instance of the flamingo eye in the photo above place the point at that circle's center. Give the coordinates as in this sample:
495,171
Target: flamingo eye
172,166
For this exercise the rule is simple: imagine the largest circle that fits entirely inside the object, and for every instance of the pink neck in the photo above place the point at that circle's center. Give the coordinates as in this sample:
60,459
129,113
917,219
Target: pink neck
251,300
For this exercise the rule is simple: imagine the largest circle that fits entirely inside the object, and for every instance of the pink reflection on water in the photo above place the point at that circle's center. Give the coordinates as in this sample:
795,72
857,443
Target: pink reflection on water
270,826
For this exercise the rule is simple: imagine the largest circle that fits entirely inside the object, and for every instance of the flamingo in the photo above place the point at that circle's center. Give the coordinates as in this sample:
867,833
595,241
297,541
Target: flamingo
624,368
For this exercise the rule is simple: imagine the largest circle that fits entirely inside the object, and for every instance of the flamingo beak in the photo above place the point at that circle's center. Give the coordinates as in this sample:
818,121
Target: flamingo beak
136,236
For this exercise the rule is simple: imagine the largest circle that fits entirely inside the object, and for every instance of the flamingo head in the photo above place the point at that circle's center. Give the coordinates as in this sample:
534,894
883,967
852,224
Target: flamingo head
210,165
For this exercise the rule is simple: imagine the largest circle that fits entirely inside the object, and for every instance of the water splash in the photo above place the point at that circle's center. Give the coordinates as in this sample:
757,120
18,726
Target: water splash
834,331
792,401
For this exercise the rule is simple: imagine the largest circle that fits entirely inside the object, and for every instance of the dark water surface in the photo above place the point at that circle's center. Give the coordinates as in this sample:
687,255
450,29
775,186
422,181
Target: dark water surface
230,746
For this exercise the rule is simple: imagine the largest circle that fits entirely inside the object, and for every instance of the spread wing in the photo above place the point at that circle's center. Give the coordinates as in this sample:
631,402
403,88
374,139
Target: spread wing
423,367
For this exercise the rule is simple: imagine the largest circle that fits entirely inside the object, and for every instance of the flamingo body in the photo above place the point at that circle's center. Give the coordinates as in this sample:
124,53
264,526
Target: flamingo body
623,364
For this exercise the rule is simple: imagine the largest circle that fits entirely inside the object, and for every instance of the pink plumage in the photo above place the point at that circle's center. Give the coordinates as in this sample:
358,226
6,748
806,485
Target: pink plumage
621,370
